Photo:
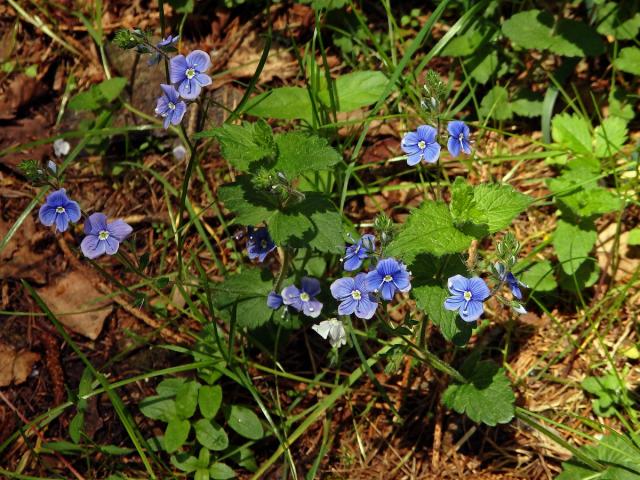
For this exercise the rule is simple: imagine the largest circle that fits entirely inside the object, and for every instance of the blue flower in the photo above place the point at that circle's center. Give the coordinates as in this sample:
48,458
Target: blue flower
170,107
303,299
421,145
458,138
510,279
58,209
274,301
467,295
357,253
103,237
166,45
389,276
354,296
259,244
188,73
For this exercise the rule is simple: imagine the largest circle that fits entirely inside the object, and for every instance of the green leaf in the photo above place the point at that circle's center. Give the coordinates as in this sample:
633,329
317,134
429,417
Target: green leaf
572,131
356,90
242,145
429,229
285,103
247,291
499,204
584,277
169,387
187,399
463,204
211,435
483,65
487,397
110,89
221,471
527,104
535,29
313,222
159,408
618,20
245,422
209,400
299,152
431,299
628,60
186,463
610,137
495,104
634,237
176,434
76,426
617,453
469,41
537,276
573,243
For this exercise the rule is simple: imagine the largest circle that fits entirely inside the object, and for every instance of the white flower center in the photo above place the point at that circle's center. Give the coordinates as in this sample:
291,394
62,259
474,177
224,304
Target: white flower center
59,209
388,278
190,73
304,296
103,235
467,295
422,144
356,294
461,137
172,106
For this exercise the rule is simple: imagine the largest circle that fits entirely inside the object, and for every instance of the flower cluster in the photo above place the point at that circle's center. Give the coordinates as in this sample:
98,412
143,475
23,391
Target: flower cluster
422,145
101,236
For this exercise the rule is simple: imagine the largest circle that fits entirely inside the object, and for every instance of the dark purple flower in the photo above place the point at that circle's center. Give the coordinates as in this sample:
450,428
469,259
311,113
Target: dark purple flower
421,145
59,210
357,253
389,276
303,300
354,296
259,244
103,237
274,301
170,107
467,295
188,73
458,138
510,279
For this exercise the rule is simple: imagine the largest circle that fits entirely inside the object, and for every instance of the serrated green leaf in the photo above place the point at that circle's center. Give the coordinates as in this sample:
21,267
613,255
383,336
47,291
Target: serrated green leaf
487,397
285,103
498,204
245,422
209,400
495,104
430,298
610,137
299,152
187,399
242,145
628,60
429,229
573,243
111,88
221,471
159,408
246,291
176,434
572,131
356,90
463,205
314,222
527,104
211,435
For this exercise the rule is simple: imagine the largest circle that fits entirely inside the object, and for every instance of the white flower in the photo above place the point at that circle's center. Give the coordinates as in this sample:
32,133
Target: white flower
333,330
51,165
518,308
179,152
61,147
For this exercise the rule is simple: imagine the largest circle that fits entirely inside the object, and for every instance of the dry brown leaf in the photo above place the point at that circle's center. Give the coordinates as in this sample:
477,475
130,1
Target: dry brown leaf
20,259
15,366
629,254
244,60
75,292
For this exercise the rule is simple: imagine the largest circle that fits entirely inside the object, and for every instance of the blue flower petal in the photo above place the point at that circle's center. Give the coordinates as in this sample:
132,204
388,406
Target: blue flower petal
347,306
453,145
73,211
366,307
388,290
454,303
312,308
203,79
427,133
431,152
414,159
95,223
473,311
458,284
342,288
478,288
189,89
47,214
177,69
310,286
119,229
62,222
178,113
199,60
111,245
374,281
57,198
92,247
274,301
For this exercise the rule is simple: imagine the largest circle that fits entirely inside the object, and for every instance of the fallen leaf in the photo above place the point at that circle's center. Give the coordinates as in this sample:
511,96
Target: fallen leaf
629,254
20,258
15,366
76,303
